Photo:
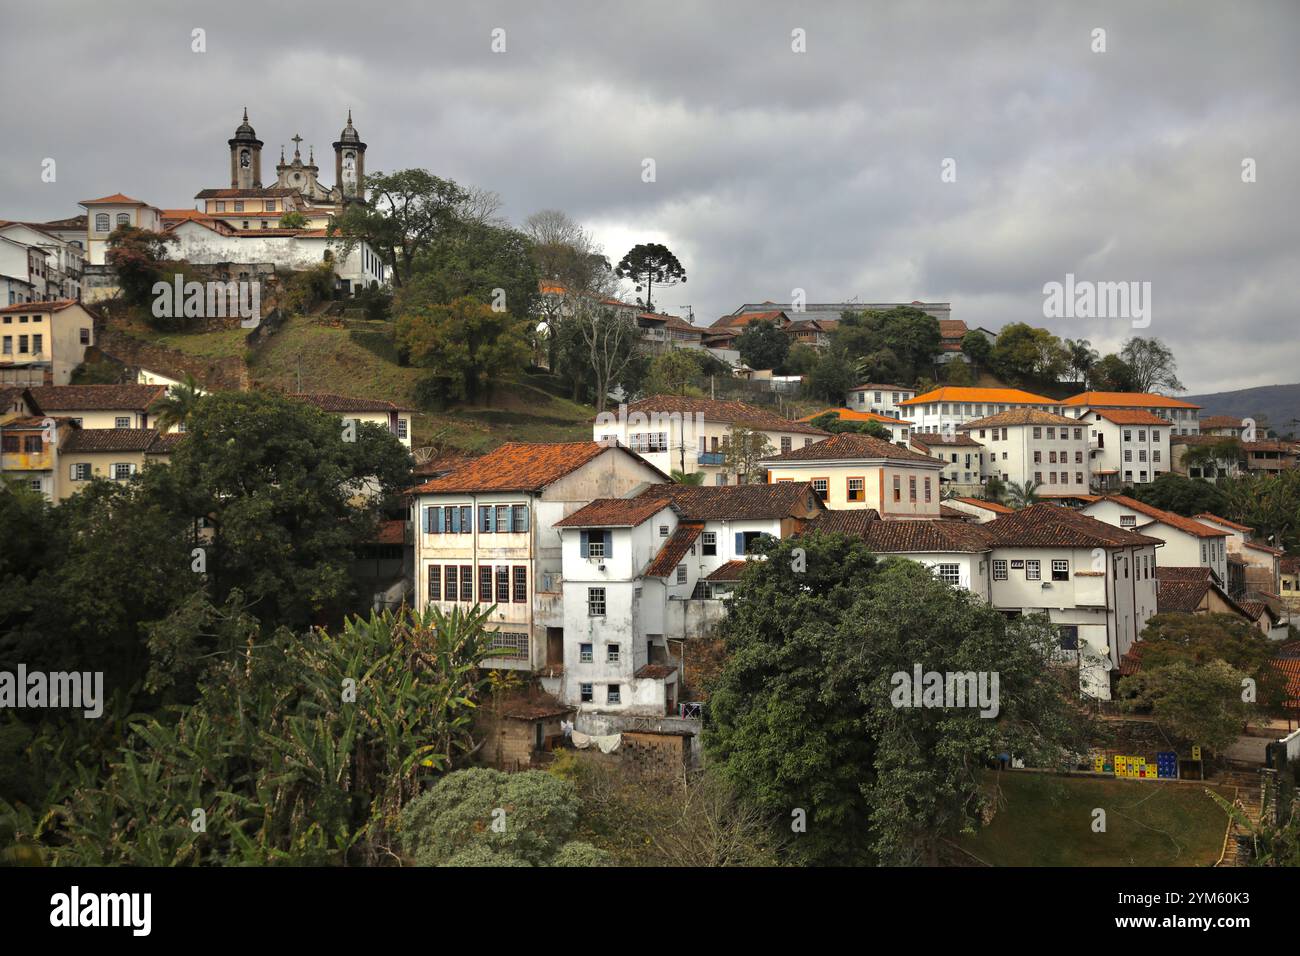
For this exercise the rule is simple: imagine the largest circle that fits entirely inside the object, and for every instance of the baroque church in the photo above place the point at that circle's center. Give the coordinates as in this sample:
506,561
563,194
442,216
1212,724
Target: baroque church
249,205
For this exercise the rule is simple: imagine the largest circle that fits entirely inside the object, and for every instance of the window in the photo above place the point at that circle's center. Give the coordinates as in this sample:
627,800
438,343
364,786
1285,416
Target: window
485,523
123,471
681,574
898,488
786,443
911,488
822,487
239,207
950,574
663,531
36,344
1038,432
586,691
519,519
856,489
520,584
1069,636
513,643
1078,477
1060,569
1203,554
401,428
927,489
220,207
485,584
83,337
596,543
999,570
451,586
467,583
121,422
503,519
595,602
81,472
709,544
1128,521
611,653
585,656
270,205
435,583
101,222
22,342
1033,570
466,521
613,694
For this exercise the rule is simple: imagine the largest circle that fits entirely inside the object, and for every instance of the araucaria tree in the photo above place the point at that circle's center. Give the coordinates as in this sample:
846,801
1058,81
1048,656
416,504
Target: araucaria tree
649,264
808,722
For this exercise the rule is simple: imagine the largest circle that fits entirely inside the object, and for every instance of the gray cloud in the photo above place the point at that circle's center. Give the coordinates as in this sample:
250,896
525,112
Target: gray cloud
775,169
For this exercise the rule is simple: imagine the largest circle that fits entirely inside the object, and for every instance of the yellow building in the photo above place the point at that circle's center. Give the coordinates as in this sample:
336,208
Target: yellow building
374,411
113,453
100,406
857,471
42,342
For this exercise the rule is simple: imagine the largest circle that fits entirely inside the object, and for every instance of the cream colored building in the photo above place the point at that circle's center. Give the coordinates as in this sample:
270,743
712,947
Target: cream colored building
43,342
1030,445
373,411
1187,543
107,213
117,454
673,432
100,406
856,471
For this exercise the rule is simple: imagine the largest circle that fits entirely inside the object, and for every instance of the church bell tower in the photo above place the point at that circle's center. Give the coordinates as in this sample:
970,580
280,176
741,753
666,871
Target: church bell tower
350,163
245,157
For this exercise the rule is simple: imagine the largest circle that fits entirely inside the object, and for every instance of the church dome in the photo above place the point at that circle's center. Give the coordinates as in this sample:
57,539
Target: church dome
245,130
349,134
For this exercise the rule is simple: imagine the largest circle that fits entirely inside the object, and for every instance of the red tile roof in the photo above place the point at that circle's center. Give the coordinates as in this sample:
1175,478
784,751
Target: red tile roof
1128,416
1047,525
1225,522
1184,573
721,411
1221,421
1184,596
886,537
939,440
994,506
57,305
117,199
341,403
1126,400
736,321
1019,416
727,571
656,671
521,466
787,499
673,550
101,398
615,513
1169,518
849,446
85,440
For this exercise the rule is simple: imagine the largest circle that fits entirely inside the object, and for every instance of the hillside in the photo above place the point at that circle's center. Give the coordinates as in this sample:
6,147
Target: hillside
1279,404
353,357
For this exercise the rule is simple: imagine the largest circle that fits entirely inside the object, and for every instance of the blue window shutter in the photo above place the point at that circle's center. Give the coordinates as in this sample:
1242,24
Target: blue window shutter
740,542
455,520
524,510
586,542
609,544
466,519
484,518
428,520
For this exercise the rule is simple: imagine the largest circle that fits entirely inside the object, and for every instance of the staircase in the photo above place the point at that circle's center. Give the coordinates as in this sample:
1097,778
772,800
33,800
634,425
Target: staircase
1237,841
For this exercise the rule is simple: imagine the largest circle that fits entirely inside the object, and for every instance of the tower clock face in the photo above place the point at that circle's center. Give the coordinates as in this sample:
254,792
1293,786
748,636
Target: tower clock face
244,158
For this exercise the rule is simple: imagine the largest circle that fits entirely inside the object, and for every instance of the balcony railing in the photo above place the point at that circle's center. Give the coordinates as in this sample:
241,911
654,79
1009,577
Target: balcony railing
709,458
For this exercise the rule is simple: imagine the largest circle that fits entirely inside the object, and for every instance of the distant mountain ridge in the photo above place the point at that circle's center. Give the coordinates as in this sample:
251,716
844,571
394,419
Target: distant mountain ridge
1279,404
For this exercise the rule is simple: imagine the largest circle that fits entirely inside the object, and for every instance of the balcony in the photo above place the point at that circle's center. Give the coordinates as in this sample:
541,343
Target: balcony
712,458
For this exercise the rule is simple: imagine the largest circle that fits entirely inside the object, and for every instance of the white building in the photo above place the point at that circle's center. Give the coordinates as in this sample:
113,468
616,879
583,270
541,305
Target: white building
1187,543
107,213
1182,416
943,409
673,432
643,577
962,457
63,262
374,411
1096,582
881,399
1030,445
1126,446
486,535
900,430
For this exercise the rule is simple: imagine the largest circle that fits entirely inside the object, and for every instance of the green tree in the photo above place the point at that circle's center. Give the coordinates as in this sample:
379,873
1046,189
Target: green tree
742,449
489,263
649,264
1019,495
467,347
672,373
1023,353
1152,365
138,258
896,344
804,715
1082,358
832,377
1113,374
293,220
287,497
1182,495
831,422
1198,703
178,404
977,348
763,346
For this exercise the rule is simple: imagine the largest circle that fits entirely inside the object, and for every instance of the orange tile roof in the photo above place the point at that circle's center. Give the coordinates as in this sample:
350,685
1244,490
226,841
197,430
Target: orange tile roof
994,506
962,393
521,466
716,410
1129,416
1126,400
727,571
673,550
1167,517
849,446
615,513
1019,416
1225,522
849,415
117,199
58,305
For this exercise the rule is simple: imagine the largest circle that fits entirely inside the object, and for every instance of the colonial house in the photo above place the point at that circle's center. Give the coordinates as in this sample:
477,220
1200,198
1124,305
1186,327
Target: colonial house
107,213
661,331
1289,571
1224,426
1031,445
981,511
114,453
958,552
693,434
1269,456
1195,590
943,409
22,273
41,343
898,429
1182,416
16,401
101,406
486,535
374,411
1127,446
639,583
880,399
1210,457
1263,563
1096,582
857,471
29,452
962,457
64,261
1187,543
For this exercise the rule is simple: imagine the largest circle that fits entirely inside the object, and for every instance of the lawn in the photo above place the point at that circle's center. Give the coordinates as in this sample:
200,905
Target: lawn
220,344
1045,820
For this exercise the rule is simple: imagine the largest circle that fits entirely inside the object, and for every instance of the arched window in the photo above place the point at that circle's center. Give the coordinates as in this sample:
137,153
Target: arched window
101,222
123,219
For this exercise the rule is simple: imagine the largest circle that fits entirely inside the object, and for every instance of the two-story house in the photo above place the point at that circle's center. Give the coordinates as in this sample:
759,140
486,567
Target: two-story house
674,432
41,343
1187,543
1095,581
1263,563
101,406
884,400
963,459
1127,446
375,411
857,471
486,536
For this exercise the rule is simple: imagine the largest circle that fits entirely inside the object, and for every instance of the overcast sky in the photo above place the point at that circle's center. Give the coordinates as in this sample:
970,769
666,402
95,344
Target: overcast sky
775,169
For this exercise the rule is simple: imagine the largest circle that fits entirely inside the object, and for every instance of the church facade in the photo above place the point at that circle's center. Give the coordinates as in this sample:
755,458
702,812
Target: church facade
249,204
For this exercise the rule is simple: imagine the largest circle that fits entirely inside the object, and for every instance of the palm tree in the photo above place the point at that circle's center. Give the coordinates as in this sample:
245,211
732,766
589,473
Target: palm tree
1022,496
683,478
176,407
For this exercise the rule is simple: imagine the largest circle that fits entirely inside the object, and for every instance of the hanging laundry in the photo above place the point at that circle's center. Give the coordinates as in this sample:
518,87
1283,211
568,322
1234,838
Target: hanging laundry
608,743
581,741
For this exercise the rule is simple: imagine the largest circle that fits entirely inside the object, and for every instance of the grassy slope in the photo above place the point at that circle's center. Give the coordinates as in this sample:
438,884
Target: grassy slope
1047,821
